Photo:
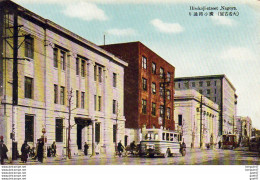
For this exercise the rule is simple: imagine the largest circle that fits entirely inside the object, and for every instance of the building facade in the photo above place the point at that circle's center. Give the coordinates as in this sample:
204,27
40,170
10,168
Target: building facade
244,127
218,89
196,118
149,89
61,79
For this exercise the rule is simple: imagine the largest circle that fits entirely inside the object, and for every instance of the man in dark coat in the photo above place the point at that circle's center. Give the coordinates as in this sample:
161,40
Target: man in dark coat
25,150
86,149
3,151
54,147
120,148
40,150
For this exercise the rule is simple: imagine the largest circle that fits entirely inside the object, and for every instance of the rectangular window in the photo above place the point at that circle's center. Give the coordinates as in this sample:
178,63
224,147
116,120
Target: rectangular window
59,130
153,88
161,72
215,83
114,79
208,83
77,66
153,109
153,68
201,83
114,107
29,47
55,57
62,95
77,98
161,111
168,94
95,102
55,94
95,73
180,119
193,84
144,104
179,84
100,74
82,100
208,91
28,87
83,68
215,99
62,60
144,62
186,84
114,133
215,91
144,84
161,91
168,76
29,128
99,103
168,113
97,132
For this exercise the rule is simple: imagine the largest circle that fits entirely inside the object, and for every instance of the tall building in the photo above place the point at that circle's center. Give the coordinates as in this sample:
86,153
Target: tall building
244,126
149,88
218,89
49,76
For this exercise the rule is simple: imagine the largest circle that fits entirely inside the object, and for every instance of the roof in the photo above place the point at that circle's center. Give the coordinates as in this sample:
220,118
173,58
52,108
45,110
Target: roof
49,24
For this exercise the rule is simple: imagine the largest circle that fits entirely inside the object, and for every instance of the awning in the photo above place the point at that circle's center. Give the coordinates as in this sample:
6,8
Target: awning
82,121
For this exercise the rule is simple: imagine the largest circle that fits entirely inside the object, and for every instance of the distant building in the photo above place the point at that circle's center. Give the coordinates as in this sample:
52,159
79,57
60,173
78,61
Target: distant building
244,126
53,65
196,118
255,132
144,89
218,89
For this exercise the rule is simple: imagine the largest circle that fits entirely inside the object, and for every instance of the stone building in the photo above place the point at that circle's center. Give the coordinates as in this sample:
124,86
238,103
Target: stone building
218,89
196,118
244,127
53,66
145,93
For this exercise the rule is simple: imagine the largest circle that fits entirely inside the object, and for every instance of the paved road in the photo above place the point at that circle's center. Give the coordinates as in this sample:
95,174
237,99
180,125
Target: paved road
193,157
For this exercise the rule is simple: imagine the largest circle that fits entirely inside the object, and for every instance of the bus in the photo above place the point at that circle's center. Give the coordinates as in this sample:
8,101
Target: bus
229,141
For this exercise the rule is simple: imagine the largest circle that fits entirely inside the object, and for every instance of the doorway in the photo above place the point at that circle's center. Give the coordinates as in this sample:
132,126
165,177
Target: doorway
79,136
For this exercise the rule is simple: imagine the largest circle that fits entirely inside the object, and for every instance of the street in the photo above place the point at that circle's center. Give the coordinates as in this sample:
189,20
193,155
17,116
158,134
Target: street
193,157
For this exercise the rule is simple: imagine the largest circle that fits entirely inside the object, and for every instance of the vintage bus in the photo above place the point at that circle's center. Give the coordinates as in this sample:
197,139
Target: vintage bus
160,142
229,141
254,144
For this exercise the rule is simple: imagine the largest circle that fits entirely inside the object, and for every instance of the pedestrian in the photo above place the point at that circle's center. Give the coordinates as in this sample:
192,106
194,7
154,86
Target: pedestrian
86,149
3,151
132,147
54,147
120,148
25,150
219,144
40,150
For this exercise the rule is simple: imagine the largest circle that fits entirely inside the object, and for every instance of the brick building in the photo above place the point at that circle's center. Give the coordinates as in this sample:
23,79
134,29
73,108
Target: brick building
144,90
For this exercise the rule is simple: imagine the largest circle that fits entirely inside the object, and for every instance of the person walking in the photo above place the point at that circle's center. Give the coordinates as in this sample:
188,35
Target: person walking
86,149
219,144
3,151
25,150
40,150
132,147
120,148
54,147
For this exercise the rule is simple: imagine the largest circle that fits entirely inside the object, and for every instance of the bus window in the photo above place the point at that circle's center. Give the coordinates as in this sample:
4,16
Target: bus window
163,136
171,137
156,137
167,136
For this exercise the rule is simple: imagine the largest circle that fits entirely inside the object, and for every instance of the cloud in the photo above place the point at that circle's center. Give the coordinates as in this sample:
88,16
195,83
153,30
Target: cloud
239,54
222,20
85,11
121,32
167,27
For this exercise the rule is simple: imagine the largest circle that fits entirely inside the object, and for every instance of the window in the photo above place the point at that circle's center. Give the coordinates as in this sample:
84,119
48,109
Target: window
114,133
161,72
55,57
29,128
215,91
77,98
100,74
114,79
77,66
153,109
95,73
186,84
114,106
168,94
97,132
168,113
180,119
82,100
62,60
153,88
193,84
95,102
62,95
161,111
144,103
201,83
153,68
144,62
161,91
215,83
200,91
29,47
55,94
208,91
179,84
144,84
99,103
28,88
83,68
168,76
215,99
59,130
208,83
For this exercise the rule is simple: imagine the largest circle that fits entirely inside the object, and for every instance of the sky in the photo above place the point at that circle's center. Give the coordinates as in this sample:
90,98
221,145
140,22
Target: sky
194,45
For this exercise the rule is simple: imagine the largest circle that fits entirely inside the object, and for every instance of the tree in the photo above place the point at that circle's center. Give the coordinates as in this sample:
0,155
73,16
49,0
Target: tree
70,95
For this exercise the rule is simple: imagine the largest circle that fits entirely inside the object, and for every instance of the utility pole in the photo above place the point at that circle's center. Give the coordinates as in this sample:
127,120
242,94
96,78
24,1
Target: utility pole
201,122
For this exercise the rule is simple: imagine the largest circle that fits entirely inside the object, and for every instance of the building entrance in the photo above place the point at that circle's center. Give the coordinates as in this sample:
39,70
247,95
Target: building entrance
79,136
